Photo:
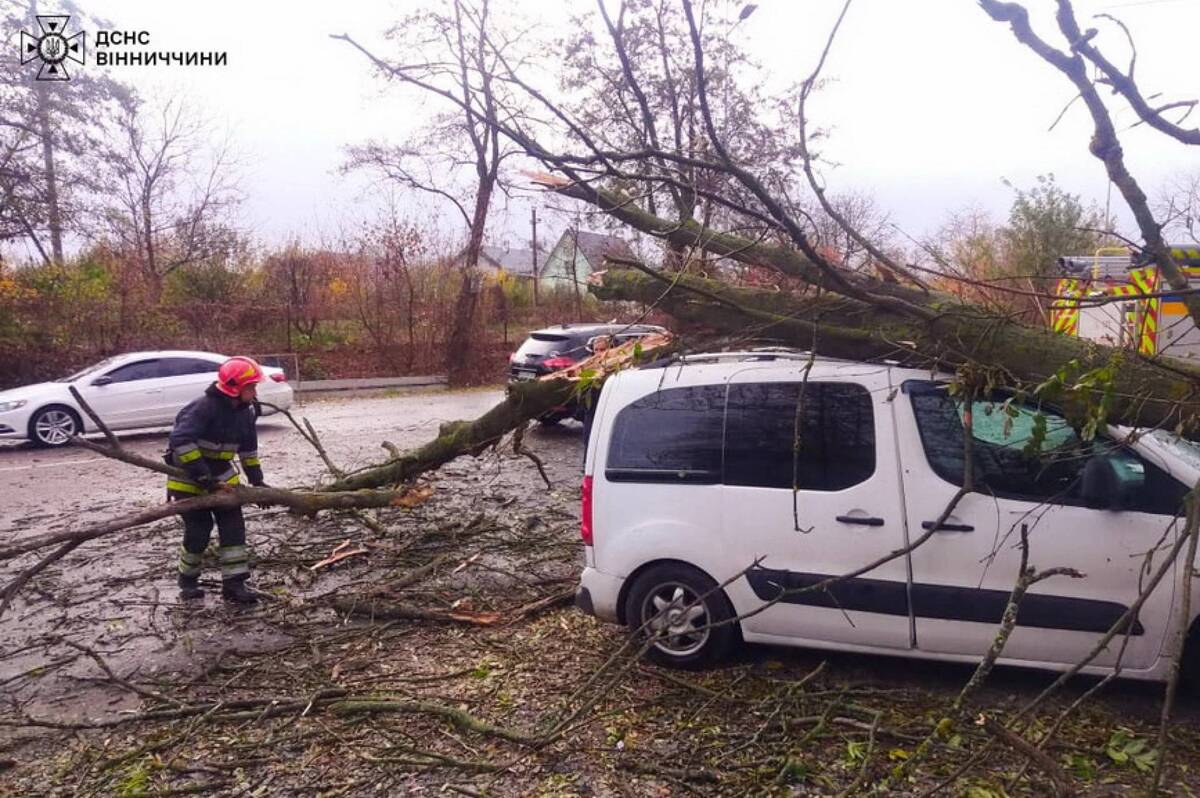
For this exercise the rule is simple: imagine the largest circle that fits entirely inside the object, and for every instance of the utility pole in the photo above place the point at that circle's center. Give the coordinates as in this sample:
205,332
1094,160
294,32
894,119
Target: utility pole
536,280
575,266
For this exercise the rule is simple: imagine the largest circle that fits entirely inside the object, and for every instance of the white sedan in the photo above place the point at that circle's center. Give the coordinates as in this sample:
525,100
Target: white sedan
139,389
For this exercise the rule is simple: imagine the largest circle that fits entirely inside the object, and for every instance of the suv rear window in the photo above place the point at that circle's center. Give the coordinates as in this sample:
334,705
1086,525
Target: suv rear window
669,436
543,344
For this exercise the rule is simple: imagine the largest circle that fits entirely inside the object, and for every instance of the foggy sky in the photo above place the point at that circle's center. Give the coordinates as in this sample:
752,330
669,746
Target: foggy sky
930,103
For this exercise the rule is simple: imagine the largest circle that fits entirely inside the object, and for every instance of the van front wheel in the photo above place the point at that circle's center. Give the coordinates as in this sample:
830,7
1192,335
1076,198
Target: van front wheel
682,615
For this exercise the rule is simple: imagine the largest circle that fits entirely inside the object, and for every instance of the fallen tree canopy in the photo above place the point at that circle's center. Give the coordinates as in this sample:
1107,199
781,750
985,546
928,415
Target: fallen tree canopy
523,402
1141,393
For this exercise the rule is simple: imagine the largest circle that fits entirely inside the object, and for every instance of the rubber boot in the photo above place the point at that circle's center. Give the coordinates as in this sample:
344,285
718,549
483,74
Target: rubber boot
236,592
189,588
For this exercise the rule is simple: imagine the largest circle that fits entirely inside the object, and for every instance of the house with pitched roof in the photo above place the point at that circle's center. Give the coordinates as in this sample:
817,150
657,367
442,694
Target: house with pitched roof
519,263
577,254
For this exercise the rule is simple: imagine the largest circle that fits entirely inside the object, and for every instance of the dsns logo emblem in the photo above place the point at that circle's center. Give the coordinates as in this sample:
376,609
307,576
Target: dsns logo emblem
53,47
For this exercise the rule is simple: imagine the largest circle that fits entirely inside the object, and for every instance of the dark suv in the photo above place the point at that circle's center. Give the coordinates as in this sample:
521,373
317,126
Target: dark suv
558,347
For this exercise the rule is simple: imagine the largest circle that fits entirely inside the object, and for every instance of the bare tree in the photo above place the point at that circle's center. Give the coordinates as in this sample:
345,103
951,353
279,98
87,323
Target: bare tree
53,140
862,211
461,56
303,275
175,191
383,290
638,93
1179,207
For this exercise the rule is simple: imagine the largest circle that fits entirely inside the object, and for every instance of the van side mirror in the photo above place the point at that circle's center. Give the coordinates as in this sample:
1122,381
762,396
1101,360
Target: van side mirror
1111,481
105,380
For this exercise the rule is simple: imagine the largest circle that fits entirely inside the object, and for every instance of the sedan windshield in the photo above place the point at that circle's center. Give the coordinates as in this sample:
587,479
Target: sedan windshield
103,364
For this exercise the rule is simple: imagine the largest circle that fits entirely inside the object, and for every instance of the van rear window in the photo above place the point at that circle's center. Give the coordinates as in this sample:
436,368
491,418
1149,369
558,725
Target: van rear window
669,436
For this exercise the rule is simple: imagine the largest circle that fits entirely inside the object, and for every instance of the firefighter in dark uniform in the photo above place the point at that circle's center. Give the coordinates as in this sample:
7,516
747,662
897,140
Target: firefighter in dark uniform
208,433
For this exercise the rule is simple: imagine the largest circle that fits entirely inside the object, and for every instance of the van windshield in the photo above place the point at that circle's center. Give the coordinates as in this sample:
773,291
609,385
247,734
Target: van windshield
1185,450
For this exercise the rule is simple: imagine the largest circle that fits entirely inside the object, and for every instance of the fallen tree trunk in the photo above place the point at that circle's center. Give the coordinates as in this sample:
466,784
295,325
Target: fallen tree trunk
1144,392
303,502
860,317
522,402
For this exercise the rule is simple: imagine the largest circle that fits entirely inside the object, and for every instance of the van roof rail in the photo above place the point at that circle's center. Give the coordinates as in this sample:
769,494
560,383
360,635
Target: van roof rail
764,353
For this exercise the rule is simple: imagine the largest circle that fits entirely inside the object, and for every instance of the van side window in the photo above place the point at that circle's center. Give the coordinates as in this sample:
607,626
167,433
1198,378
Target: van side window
1008,465
672,435
835,447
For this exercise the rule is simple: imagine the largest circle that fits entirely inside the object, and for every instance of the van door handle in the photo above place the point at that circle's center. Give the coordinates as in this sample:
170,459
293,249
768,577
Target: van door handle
927,525
860,520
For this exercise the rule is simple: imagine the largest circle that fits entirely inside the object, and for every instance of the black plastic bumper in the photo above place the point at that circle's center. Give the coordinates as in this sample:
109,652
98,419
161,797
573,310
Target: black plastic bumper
583,600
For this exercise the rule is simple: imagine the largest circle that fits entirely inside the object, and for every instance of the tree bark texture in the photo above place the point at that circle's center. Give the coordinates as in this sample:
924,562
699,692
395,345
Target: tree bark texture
53,197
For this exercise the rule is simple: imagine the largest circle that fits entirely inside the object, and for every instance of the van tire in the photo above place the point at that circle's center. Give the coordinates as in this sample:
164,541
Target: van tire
672,587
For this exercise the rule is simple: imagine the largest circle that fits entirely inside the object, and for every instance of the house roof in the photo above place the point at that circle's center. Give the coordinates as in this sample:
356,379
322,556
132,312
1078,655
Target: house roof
513,261
596,246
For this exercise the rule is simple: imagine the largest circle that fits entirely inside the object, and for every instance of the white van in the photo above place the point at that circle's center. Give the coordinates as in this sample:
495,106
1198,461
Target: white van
699,507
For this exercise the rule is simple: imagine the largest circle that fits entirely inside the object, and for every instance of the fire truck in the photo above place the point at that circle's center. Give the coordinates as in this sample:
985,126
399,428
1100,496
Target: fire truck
1116,296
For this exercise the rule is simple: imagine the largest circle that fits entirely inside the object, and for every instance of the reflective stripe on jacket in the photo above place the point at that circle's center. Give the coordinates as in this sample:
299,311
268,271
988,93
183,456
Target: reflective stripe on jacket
208,433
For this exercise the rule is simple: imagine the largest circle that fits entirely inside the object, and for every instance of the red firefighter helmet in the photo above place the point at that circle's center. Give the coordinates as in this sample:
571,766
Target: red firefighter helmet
236,373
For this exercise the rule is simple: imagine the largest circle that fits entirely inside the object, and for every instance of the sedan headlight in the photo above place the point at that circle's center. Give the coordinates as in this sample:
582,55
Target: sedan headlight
6,406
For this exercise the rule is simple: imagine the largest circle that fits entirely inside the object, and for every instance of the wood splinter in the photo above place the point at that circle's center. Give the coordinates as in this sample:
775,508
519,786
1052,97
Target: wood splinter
340,553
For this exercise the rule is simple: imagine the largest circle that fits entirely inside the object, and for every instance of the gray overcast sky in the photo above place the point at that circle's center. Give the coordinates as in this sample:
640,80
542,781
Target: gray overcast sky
930,106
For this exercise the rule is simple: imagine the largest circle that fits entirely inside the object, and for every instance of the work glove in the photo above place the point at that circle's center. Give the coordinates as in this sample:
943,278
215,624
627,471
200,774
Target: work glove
255,475
198,471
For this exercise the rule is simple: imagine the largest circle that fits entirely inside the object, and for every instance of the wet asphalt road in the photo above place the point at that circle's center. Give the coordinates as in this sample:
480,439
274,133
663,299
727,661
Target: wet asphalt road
117,593
46,489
